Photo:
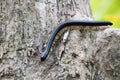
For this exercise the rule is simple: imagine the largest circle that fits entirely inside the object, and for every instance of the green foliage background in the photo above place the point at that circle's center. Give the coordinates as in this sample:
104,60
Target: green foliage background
107,10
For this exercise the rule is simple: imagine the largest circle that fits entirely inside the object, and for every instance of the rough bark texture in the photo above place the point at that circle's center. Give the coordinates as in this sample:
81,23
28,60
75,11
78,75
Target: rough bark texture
25,26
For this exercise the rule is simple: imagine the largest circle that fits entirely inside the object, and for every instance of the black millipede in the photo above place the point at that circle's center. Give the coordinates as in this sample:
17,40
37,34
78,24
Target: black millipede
71,25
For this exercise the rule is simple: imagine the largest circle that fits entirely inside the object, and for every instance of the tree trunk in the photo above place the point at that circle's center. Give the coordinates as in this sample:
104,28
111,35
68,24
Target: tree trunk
25,29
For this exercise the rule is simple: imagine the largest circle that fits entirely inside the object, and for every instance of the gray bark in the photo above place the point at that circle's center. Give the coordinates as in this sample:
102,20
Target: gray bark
25,26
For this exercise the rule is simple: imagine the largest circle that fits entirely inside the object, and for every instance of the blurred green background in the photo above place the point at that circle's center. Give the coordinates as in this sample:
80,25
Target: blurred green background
106,10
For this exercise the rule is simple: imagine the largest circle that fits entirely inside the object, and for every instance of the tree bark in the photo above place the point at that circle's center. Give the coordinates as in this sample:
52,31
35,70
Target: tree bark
25,29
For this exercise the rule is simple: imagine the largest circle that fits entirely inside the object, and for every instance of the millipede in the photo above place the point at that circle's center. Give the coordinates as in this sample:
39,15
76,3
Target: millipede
72,25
